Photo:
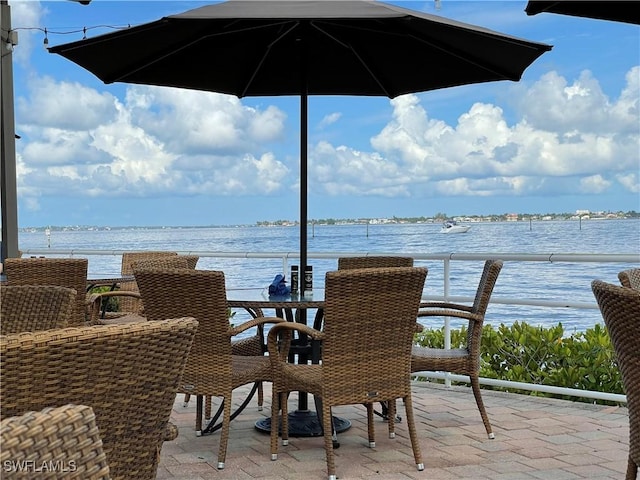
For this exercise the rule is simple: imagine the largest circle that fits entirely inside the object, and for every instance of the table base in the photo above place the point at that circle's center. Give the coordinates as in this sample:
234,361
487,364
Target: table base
304,423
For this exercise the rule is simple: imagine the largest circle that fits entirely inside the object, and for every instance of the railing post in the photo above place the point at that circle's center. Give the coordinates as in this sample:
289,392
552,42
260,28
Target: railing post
447,320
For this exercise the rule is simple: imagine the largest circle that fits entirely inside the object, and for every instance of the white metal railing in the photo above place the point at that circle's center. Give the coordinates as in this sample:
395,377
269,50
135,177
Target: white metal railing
446,259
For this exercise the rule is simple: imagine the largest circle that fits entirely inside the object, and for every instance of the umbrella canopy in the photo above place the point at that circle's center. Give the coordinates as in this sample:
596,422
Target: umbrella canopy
304,47
619,11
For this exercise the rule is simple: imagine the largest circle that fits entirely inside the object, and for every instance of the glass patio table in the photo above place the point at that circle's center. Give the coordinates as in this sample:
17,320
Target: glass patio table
294,308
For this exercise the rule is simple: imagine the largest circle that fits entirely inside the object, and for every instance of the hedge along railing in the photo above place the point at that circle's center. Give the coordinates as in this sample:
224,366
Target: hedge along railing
540,359
624,260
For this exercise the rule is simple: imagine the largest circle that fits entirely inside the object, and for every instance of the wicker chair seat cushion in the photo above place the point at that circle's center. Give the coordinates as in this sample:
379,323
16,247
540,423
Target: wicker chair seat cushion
432,357
211,380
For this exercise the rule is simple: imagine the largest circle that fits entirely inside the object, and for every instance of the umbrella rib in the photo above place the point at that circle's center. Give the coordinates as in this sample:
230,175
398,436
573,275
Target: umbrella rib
357,55
265,55
120,77
446,49
469,60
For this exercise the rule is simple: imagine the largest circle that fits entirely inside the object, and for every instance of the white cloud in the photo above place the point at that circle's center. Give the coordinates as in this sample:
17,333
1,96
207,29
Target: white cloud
27,13
65,105
329,119
594,184
571,139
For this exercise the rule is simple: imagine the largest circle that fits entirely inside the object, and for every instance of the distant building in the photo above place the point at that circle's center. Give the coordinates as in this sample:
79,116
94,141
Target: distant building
512,217
582,212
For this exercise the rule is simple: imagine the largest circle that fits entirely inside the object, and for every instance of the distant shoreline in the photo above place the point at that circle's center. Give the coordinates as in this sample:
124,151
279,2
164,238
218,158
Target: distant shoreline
360,221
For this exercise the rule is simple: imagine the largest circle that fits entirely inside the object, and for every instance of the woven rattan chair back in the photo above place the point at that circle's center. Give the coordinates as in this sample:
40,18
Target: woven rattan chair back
211,370
63,272
129,295
53,441
192,260
368,332
128,374
254,345
28,308
620,308
131,305
465,360
172,262
359,306
374,262
630,278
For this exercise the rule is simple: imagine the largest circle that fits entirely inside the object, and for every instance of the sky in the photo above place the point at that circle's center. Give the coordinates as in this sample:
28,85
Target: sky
566,137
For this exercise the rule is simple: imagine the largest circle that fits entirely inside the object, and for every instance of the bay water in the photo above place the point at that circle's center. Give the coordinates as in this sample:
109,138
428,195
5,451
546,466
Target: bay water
554,281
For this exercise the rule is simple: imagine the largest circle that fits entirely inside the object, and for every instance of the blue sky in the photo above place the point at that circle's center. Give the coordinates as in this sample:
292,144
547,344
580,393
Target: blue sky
95,154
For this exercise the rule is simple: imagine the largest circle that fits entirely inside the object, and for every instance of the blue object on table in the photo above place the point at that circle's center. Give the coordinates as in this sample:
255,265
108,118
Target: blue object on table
279,287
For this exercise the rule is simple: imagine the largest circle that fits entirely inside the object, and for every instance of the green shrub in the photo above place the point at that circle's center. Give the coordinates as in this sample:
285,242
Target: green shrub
541,355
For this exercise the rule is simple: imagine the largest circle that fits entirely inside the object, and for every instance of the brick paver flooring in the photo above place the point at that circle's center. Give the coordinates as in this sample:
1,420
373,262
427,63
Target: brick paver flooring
536,438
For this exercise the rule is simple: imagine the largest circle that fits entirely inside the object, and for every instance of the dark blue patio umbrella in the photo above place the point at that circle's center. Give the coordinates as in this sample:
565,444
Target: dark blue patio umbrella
304,47
626,11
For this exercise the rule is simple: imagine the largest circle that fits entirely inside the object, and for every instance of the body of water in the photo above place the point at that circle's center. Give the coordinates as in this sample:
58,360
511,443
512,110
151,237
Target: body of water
555,281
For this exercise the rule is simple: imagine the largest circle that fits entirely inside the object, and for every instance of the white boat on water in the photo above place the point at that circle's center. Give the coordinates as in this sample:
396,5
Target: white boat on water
454,227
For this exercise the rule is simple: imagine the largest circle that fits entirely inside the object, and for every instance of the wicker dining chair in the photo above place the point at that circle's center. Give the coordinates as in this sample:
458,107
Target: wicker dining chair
64,272
630,278
369,322
192,260
212,369
620,308
65,439
374,261
253,345
129,305
466,360
27,308
128,374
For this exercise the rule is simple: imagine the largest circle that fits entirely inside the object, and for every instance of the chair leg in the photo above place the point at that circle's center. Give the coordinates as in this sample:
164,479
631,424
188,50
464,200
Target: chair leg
370,428
413,434
207,407
632,470
475,385
284,414
187,397
224,435
276,400
260,397
391,405
198,415
327,428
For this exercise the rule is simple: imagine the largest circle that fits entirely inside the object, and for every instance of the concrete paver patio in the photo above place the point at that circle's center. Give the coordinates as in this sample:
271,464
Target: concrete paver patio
536,438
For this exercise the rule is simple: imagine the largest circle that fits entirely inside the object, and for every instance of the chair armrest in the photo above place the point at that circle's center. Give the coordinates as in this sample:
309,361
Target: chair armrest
287,328
450,313
446,305
94,302
254,322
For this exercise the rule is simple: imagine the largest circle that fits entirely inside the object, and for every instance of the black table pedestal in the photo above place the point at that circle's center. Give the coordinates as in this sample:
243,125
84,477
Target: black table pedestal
304,423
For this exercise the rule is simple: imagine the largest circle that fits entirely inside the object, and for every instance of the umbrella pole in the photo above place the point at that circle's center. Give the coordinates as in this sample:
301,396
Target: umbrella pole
303,399
303,182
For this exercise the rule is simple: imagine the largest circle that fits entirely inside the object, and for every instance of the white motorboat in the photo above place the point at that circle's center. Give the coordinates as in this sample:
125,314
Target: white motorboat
454,227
